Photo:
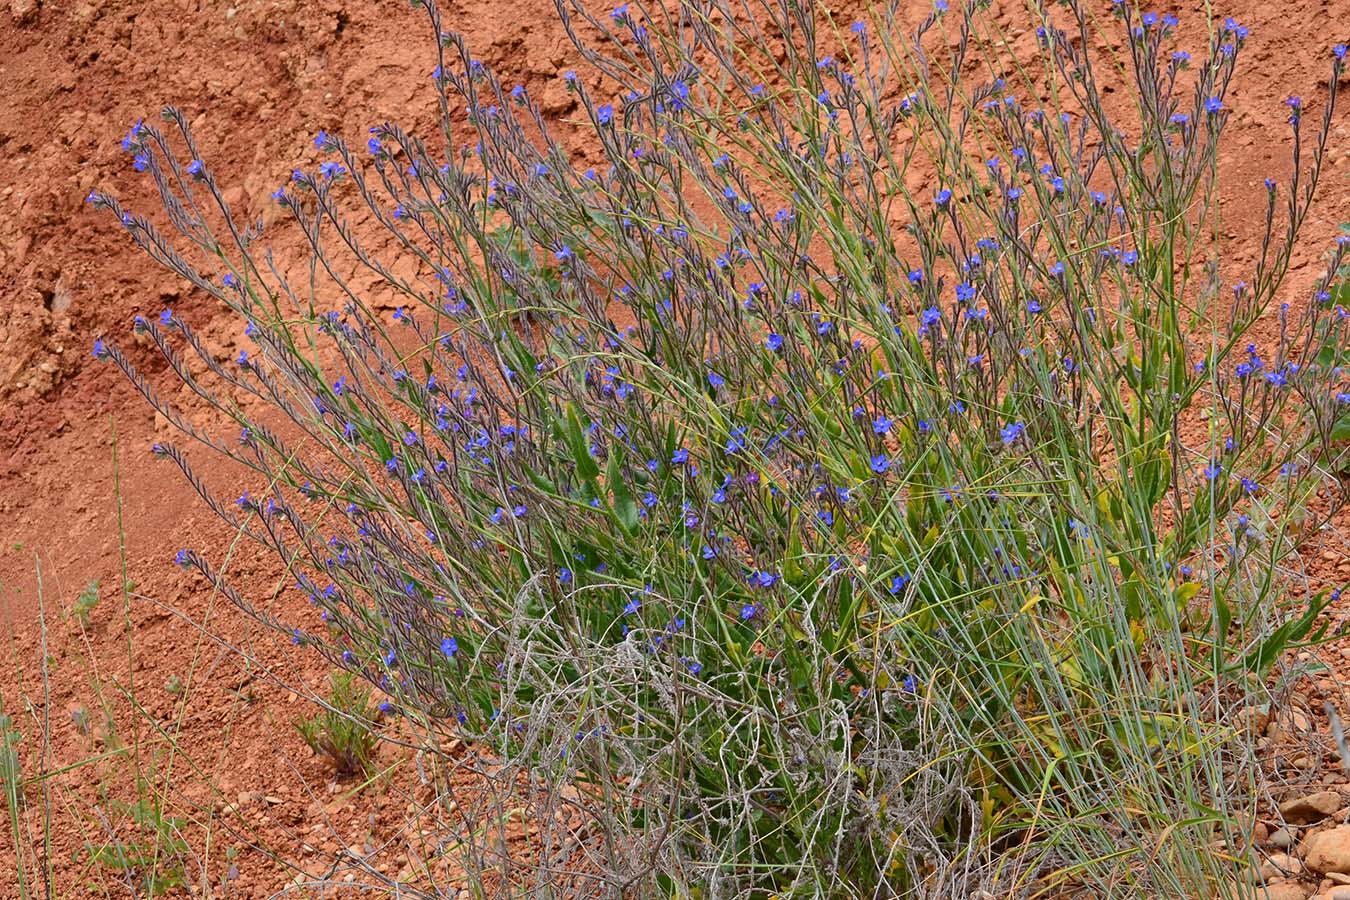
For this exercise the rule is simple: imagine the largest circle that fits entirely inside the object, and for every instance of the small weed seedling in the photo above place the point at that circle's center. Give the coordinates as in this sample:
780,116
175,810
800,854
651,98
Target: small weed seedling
153,855
341,732
85,603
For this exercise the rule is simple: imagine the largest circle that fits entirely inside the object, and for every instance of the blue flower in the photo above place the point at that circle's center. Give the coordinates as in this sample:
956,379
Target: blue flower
774,342
880,464
1213,105
1012,432
449,646
943,196
680,91
605,114
129,142
882,425
680,457
898,583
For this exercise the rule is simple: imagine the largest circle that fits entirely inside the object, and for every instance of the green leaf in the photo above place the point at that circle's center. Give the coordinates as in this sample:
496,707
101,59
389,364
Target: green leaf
1260,658
625,507
581,452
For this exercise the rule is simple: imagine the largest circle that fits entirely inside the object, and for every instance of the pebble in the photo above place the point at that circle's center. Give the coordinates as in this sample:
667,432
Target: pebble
1328,851
1280,865
1312,807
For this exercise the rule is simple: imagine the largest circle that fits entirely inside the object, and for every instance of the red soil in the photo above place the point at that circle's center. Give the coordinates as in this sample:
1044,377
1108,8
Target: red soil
258,80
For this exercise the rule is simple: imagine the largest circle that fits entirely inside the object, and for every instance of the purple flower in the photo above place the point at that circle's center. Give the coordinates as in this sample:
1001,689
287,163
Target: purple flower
129,142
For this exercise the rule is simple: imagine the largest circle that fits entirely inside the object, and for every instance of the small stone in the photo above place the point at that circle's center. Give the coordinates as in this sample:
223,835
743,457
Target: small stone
1340,892
1285,890
1252,719
1328,851
1338,878
1282,839
1290,725
1312,807
1280,865
23,11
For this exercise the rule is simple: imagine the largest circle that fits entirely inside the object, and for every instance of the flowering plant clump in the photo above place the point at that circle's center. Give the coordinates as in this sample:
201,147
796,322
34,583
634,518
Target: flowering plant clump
866,480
